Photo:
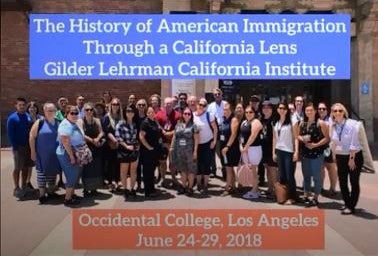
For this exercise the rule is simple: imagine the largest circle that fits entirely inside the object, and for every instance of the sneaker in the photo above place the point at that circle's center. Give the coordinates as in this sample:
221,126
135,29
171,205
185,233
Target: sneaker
181,191
17,192
189,192
43,199
133,193
71,202
347,211
251,195
342,208
225,193
307,202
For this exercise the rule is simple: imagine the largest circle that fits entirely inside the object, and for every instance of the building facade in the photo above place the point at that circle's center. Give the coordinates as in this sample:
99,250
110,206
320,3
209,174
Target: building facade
360,93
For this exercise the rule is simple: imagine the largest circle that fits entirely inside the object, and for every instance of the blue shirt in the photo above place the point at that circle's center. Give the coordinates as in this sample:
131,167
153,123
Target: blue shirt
18,127
345,137
66,128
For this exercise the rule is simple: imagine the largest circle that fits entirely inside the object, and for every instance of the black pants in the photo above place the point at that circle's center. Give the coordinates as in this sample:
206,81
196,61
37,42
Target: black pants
112,166
350,197
139,170
286,167
261,172
149,164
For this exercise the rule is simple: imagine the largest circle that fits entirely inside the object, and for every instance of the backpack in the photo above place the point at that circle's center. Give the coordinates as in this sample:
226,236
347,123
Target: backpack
42,121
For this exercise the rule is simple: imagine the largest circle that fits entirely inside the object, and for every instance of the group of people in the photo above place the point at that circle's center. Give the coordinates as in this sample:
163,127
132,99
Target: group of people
121,146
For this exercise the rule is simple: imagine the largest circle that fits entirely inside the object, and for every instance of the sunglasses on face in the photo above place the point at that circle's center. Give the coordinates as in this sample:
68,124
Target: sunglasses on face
141,105
89,109
337,111
217,94
115,104
74,113
322,109
282,108
187,114
202,105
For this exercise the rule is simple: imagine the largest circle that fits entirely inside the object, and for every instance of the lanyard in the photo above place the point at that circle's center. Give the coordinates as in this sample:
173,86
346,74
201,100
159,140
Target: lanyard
341,131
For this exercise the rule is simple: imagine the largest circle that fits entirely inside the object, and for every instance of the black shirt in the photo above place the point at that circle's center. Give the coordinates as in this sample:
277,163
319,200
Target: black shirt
225,132
267,134
245,133
315,132
153,135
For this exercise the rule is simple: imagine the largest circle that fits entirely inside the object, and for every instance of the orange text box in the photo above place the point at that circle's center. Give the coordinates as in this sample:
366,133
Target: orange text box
198,229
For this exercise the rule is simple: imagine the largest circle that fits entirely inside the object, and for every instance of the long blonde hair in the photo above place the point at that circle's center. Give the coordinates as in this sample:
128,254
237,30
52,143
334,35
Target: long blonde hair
118,116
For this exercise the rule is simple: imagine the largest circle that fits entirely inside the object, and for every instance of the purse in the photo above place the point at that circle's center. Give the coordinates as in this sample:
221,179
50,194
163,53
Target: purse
83,154
282,192
244,174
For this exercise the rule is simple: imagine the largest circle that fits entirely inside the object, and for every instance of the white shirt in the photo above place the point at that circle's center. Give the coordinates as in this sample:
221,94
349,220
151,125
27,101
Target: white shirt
284,137
344,137
296,117
205,132
217,111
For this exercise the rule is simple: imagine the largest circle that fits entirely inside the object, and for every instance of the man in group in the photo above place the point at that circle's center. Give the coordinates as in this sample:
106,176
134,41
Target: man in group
182,98
18,127
167,118
216,108
80,105
254,102
62,103
192,103
298,113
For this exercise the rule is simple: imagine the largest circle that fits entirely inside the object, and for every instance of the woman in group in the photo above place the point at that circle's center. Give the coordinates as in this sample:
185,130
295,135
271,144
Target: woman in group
250,148
43,144
349,159
100,111
329,164
313,135
70,137
111,120
239,112
151,143
229,133
208,131
128,151
94,136
267,121
184,148
33,110
285,149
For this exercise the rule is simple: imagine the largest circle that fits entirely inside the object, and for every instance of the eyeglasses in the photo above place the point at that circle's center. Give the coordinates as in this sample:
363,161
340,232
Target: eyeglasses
89,109
322,109
338,110
187,114
281,108
202,105
249,112
115,104
74,113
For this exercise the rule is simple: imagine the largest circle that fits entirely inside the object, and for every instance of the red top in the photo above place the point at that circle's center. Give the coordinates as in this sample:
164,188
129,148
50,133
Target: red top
168,123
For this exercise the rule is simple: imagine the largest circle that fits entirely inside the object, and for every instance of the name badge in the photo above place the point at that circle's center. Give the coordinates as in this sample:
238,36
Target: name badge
182,142
222,138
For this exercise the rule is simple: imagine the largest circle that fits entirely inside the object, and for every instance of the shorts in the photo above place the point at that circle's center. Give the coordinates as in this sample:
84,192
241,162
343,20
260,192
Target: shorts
254,155
329,159
267,157
21,158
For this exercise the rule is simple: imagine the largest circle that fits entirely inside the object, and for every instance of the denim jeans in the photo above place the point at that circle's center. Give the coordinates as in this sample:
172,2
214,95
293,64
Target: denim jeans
71,171
311,168
286,168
